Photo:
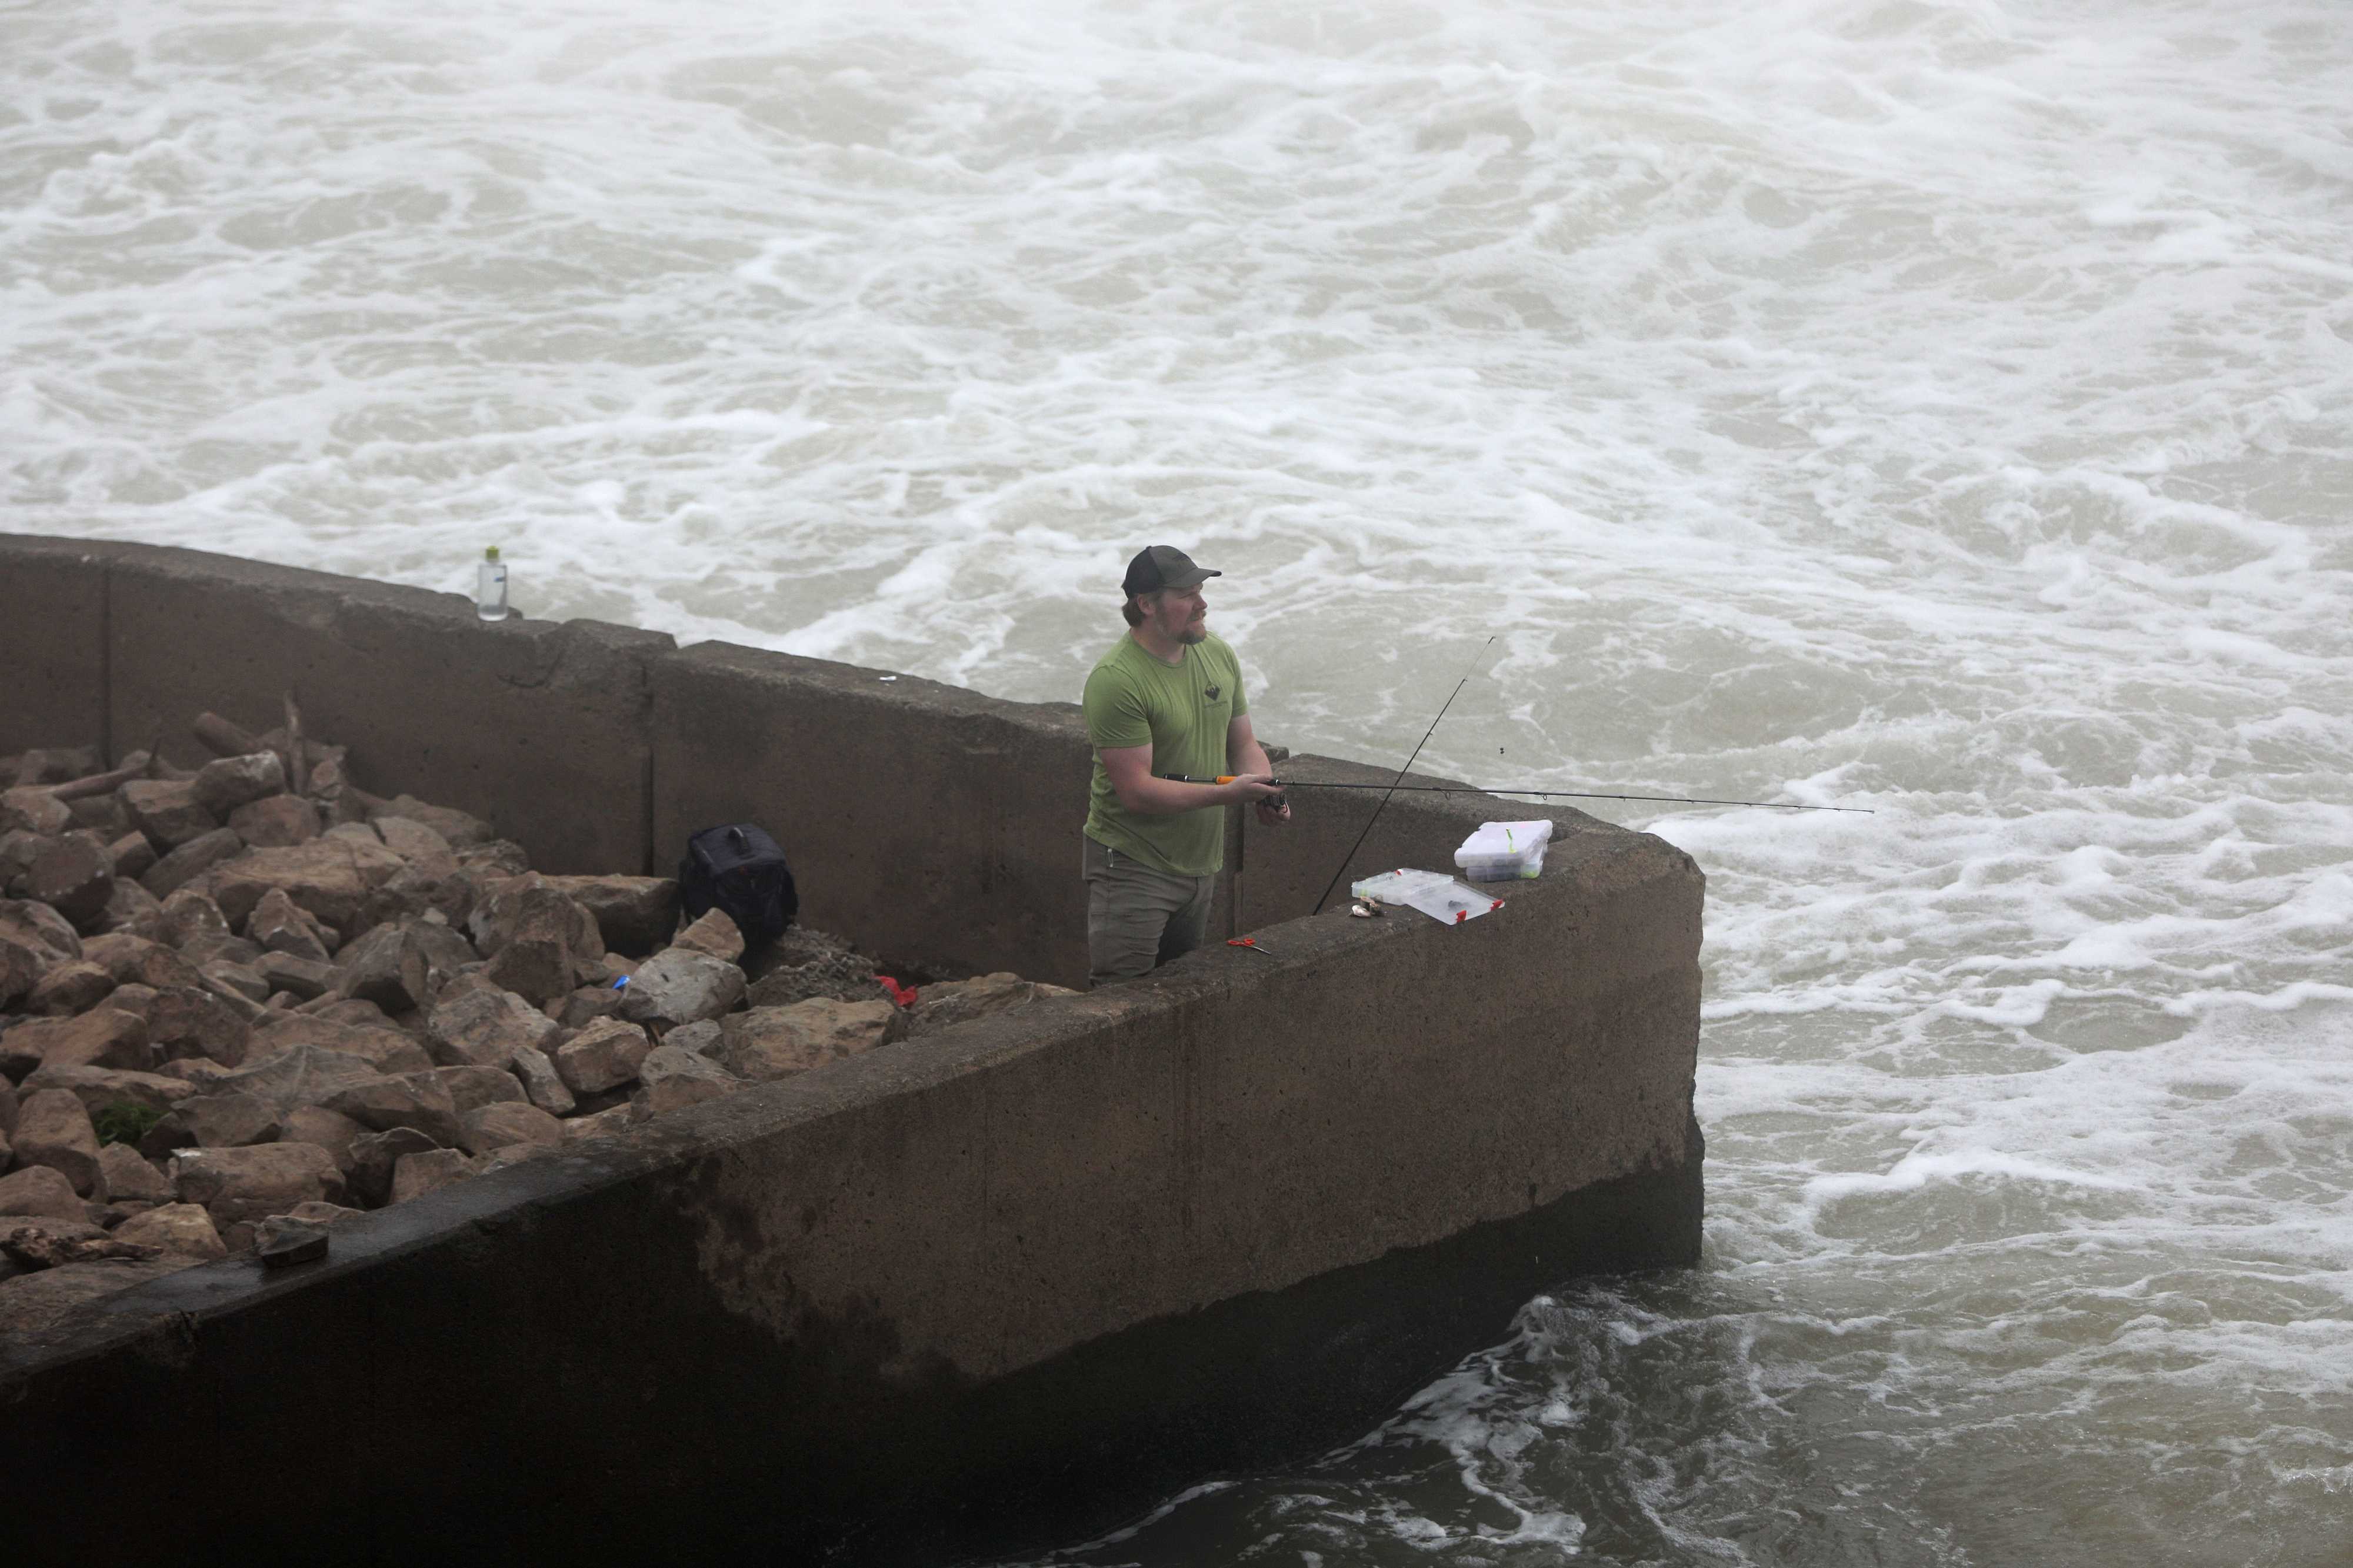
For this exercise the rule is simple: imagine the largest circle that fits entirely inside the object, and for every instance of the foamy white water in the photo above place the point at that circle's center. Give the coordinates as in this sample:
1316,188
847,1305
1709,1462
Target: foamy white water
1937,407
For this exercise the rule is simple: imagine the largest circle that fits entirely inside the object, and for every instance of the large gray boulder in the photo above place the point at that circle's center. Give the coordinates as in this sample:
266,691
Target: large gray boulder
131,1178
417,1099
74,875
331,877
50,935
494,1127
69,988
541,1084
498,901
180,1231
136,961
547,944
131,855
280,925
236,982
231,1119
225,783
245,1185
413,840
336,1134
107,1037
98,1087
189,914
417,1174
20,970
368,968
200,857
278,822
168,811
432,953
34,811
306,978
486,1027
672,1079
769,1043
715,933
584,1004
473,1087
428,885
605,1055
38,1190
300,1074
53,1130
679,985
190,1020
634,914
131,908
388,1051
457,828
135,999
18,850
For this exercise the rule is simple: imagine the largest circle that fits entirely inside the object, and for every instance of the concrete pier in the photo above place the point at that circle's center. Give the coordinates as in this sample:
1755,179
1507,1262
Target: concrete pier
1002,1284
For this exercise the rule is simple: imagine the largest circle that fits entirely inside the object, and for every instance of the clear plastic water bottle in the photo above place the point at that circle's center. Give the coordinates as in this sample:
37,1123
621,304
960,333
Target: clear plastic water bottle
490,587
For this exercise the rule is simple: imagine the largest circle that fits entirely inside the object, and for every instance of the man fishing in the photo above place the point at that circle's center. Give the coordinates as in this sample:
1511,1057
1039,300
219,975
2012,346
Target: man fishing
1167,698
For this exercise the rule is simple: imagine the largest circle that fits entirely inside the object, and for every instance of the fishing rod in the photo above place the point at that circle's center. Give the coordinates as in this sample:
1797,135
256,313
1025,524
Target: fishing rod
1468,670
1509,789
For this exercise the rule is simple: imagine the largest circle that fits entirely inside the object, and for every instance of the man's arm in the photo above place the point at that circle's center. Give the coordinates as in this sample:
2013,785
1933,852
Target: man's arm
1130,770
1244,755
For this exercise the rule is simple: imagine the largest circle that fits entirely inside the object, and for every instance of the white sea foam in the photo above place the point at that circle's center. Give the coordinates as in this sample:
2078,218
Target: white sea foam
1935,405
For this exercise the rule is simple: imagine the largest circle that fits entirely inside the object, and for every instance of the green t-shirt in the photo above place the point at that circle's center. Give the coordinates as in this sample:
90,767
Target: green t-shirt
1181,710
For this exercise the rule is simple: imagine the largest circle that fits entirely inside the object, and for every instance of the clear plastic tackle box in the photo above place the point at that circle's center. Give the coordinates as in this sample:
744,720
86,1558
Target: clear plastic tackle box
1505,851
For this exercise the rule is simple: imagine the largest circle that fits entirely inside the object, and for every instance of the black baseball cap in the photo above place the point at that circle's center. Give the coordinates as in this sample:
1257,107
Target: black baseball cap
1159,566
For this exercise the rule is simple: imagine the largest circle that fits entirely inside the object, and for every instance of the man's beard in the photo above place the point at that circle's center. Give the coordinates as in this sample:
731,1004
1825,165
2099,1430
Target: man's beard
1194,632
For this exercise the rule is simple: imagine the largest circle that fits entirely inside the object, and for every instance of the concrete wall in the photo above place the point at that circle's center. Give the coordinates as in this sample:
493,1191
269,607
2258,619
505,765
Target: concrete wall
1005,1283
52,643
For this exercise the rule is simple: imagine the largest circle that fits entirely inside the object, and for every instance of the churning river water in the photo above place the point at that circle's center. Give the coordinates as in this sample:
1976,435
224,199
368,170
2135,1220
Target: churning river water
1942,406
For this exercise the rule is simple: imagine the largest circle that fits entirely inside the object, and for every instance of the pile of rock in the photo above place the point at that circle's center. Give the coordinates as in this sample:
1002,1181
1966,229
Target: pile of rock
253,990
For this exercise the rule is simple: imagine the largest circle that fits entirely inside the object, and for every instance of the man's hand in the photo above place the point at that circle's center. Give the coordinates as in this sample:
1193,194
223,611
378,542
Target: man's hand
1247,759
1259,788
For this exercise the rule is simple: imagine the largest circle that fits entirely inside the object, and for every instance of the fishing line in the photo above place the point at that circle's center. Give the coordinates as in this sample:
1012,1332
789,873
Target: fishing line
1547,793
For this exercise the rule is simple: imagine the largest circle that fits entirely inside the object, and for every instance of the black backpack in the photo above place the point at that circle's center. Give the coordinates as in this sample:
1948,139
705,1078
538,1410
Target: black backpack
741,869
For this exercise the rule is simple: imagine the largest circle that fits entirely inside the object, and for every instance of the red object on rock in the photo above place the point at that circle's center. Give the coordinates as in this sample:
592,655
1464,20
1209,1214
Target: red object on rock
905,996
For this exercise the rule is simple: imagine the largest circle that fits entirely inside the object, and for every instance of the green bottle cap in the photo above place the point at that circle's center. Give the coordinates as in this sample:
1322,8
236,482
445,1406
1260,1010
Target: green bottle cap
491,553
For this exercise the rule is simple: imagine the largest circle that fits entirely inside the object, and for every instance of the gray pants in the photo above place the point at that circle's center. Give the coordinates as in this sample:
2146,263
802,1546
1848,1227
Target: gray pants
1137,918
